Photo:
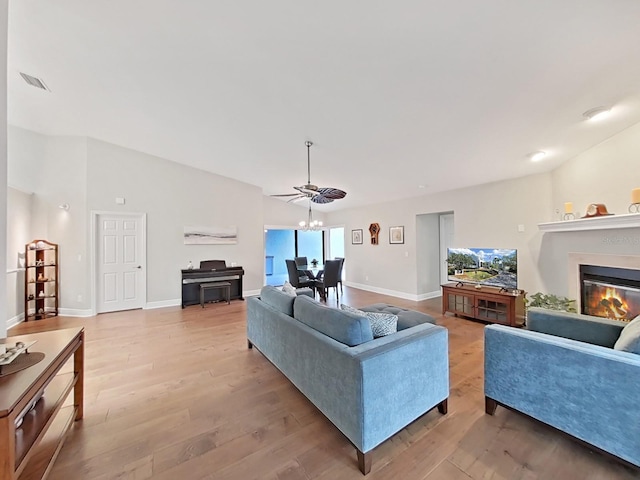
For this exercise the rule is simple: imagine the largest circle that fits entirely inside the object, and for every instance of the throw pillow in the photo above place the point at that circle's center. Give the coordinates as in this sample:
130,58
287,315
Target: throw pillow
289,289
629,340
381,323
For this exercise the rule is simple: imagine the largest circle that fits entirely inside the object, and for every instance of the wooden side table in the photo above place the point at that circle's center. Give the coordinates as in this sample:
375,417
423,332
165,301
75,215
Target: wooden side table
22,449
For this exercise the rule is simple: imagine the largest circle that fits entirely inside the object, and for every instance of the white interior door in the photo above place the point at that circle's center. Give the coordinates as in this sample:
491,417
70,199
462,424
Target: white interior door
120,262
446,241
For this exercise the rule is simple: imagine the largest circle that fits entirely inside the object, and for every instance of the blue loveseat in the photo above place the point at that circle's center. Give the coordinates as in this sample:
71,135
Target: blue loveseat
368,388
563,371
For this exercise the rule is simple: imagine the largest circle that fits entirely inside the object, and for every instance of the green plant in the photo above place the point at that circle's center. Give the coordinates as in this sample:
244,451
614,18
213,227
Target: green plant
551,302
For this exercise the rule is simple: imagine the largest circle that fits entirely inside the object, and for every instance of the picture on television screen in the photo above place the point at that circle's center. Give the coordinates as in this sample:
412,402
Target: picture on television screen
483,266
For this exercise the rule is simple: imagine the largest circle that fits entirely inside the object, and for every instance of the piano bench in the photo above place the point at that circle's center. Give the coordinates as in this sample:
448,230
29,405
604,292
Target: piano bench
226,286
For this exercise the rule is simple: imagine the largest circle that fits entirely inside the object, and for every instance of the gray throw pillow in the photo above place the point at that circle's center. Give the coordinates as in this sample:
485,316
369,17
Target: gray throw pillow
381,323
289,289
629,340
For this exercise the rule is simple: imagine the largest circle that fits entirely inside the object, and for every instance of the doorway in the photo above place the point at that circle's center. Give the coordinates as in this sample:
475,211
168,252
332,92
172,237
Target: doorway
119,261
446,241
282,244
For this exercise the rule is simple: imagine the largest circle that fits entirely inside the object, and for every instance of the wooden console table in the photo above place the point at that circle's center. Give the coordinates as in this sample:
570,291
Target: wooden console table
28,451
488,304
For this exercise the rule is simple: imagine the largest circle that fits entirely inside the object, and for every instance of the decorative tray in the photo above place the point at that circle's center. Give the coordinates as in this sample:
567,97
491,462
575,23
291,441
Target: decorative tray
12,352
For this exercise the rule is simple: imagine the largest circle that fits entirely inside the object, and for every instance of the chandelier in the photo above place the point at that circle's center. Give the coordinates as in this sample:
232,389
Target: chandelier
310,224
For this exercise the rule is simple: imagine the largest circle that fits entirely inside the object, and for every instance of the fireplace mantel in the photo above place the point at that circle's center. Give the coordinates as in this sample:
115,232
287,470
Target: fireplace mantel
629,220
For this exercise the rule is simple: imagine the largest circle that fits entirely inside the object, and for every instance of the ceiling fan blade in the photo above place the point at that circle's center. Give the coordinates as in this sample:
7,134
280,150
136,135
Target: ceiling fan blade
332,193
307,189
321,199
297,198
285,195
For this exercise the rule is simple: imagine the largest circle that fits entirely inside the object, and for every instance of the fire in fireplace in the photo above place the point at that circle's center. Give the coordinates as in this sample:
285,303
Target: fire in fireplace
610,292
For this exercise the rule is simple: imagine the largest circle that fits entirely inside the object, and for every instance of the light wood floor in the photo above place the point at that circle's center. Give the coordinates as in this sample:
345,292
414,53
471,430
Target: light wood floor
175,394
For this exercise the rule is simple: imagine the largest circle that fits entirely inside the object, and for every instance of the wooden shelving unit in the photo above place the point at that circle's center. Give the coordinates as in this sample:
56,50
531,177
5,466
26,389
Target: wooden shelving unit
39,404
488,304
41,280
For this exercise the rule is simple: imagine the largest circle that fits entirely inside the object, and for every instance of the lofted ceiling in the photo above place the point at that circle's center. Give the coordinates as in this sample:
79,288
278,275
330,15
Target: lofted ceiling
395,95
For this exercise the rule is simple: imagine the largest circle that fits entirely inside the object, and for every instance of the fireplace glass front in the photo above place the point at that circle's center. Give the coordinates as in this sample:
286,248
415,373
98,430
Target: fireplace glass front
610,292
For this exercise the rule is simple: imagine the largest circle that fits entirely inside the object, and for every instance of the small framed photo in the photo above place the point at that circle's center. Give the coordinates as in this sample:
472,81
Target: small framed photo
396,234
356,237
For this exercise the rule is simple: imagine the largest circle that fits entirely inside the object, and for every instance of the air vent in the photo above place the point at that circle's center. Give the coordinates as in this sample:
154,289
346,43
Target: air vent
34,82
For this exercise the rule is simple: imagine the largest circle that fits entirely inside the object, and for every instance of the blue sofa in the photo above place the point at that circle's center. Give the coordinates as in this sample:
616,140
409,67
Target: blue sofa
563,371
368,388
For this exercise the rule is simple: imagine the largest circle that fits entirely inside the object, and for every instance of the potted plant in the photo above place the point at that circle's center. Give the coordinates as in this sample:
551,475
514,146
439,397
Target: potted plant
314,263
551,302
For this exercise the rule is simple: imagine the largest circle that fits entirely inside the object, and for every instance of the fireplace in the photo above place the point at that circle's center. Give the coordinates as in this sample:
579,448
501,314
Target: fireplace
609,292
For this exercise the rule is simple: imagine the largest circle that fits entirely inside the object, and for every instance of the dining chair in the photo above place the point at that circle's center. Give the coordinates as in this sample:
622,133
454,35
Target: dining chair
301,262
340,272
297,278
329,279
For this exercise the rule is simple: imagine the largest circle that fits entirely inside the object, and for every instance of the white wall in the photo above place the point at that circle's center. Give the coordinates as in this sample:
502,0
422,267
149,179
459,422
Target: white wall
604,174
486,216
428,253
18,235
174,196
4,9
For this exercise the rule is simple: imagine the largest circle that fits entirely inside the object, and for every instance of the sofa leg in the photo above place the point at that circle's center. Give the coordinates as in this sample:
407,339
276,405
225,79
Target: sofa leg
490,405
249,344
443,406
364,462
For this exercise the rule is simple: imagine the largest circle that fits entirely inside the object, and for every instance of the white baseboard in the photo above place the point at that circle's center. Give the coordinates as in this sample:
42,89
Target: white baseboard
75,312
251,293
383,291
428,295
174,302
12,322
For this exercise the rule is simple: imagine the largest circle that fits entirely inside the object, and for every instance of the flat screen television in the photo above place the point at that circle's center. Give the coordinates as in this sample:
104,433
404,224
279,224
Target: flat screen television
483,266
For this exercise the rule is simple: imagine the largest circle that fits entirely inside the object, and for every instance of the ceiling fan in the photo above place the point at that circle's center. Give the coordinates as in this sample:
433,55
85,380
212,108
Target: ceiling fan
313,192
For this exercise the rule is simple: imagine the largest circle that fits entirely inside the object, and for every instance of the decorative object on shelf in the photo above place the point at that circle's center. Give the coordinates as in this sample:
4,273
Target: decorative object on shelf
210,235
356,237
189,265
596,210
396,234
314,193
374,230
568,211
41,262
12,352
635,201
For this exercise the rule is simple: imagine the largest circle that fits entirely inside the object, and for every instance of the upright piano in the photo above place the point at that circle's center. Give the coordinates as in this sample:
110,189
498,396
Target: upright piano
210,271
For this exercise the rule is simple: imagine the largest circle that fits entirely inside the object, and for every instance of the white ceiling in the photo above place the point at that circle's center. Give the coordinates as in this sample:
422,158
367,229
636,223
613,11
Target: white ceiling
443,93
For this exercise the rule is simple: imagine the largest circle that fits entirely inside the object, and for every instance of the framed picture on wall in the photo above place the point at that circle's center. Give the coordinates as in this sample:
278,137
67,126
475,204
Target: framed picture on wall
356,237
396,234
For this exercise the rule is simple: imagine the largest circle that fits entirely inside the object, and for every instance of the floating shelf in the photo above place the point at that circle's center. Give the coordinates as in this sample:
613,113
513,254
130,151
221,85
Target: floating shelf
608,222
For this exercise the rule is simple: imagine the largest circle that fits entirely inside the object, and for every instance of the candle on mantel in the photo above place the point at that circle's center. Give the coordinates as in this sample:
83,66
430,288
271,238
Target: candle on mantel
568,207
635,195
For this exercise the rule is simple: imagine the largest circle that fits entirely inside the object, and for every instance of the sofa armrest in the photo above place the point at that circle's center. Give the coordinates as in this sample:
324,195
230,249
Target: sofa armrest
588,391
575,326
403,376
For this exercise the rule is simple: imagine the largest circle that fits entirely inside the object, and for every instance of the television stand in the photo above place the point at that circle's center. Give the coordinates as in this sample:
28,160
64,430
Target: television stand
488,304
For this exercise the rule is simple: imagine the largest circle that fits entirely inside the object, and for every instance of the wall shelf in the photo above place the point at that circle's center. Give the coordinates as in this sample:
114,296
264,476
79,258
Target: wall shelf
629,220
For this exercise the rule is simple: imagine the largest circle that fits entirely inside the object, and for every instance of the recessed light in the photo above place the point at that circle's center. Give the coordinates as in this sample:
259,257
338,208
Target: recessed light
537,156
597,113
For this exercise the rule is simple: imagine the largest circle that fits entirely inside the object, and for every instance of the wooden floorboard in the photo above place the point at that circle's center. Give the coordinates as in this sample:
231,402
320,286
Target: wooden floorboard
176,394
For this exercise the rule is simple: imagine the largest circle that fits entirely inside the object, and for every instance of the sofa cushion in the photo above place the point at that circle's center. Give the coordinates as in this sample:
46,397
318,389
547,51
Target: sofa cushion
289,289
382,324
406,318
344,327
277,299
629,340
